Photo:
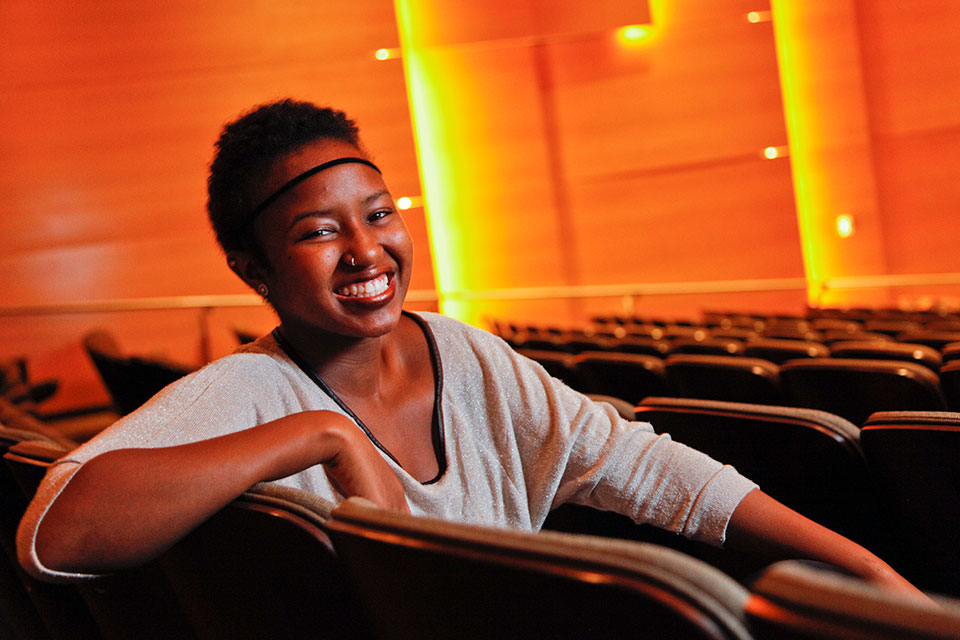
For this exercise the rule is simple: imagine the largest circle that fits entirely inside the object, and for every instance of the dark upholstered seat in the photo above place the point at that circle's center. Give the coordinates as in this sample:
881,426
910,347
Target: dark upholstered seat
129,380
558,364
263,568
856,388
731,378
428,578
779,351
810,460
914,457
921,354
629,376
794,600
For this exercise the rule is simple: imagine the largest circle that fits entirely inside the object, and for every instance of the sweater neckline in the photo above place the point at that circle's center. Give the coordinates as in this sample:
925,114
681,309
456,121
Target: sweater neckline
437,431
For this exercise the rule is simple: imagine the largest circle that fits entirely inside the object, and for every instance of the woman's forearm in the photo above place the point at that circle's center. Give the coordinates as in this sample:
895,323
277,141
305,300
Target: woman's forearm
125,506
762,525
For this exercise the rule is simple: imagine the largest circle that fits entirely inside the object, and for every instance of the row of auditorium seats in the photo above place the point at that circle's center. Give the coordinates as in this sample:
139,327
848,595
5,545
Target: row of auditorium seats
282,563
850,387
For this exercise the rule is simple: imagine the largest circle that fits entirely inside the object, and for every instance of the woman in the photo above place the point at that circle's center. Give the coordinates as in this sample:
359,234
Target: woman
352,396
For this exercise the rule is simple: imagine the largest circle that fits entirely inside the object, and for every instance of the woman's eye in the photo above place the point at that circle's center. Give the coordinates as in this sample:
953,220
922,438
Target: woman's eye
379,215
316,233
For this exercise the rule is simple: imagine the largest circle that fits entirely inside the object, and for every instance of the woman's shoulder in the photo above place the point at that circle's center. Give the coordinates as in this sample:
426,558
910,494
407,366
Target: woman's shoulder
446,327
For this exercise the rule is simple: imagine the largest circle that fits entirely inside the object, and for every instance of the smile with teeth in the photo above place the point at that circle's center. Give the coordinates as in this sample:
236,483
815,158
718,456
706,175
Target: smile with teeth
367,289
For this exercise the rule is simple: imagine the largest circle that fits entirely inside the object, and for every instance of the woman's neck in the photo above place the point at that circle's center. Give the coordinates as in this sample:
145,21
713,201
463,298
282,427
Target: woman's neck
350,366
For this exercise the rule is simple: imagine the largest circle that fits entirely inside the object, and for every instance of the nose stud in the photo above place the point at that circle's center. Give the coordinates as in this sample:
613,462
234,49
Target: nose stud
352,261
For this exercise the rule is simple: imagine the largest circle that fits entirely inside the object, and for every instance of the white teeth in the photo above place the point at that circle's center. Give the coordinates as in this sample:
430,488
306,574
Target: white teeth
366,289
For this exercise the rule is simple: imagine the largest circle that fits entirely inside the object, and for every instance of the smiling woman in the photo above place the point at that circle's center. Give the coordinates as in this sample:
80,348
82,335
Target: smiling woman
351,395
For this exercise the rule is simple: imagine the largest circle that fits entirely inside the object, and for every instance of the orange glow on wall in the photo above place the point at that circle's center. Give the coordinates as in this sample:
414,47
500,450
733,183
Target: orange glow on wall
829,138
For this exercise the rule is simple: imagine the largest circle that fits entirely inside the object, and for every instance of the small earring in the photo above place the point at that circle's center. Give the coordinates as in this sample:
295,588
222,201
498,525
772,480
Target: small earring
262,289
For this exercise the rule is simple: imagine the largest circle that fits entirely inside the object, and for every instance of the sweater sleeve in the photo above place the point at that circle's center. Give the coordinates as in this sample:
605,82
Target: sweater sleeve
583,452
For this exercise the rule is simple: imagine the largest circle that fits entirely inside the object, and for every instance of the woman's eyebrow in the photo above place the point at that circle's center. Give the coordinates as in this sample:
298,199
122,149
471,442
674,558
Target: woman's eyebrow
320,213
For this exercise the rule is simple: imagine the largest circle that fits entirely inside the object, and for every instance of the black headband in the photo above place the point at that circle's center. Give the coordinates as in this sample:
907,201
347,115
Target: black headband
290,184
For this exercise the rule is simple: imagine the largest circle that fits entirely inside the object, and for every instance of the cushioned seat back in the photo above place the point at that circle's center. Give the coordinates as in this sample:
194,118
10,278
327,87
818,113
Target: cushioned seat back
130,381
779,351
707,346
37,609
950,384
950,351
914,456
128,604
809,460
558,364
729,378
918,353
263,568
933,339
856,388
795,601
426,578
629,376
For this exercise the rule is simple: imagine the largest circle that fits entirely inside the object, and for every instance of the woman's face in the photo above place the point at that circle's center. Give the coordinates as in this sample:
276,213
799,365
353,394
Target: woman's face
339,255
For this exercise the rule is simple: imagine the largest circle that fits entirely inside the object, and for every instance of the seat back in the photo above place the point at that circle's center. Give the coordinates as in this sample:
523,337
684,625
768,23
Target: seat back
950,384
809,460
558,364
779,351
933,339
629,376
427,578
918,353
950,351
914,457
39,609
792,600
263,568
131,604
130,381
729,378
707,346
856,388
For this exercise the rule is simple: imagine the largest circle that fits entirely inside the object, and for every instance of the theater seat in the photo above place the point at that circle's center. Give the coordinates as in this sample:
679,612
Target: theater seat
779,351
918,353
263,567
558,364
129,604
730,378
914,456
798,601
809,460
856,388
629,376
950,384
129,380
428,578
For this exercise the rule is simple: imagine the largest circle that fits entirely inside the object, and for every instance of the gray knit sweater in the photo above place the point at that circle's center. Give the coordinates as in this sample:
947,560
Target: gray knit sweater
516,442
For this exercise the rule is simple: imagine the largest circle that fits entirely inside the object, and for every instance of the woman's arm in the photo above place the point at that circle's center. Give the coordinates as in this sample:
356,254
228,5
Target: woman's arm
125,506
762,525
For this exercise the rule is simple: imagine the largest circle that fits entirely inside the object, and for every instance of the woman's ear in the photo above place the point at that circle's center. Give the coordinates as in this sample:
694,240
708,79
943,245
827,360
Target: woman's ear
248,267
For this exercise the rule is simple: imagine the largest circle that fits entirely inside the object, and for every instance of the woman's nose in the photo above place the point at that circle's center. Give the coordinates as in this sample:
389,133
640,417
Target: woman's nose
362,249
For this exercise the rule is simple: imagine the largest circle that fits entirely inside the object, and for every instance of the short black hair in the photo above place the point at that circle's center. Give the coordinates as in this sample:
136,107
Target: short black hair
248,148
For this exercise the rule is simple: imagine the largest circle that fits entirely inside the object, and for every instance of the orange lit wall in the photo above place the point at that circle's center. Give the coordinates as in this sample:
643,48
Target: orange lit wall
554,154
108,114
911,72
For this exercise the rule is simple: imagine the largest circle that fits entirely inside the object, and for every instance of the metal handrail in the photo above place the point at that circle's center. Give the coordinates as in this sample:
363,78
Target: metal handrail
633,290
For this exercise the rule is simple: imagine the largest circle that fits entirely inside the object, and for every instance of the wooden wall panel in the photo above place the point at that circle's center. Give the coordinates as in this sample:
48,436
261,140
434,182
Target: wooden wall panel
108,114
911,58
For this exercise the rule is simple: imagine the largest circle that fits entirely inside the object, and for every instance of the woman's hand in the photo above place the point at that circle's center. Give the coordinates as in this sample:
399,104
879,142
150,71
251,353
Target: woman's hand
357,468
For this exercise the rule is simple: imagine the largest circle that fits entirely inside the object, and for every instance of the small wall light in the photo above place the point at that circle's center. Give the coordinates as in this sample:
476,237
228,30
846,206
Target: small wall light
845,226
